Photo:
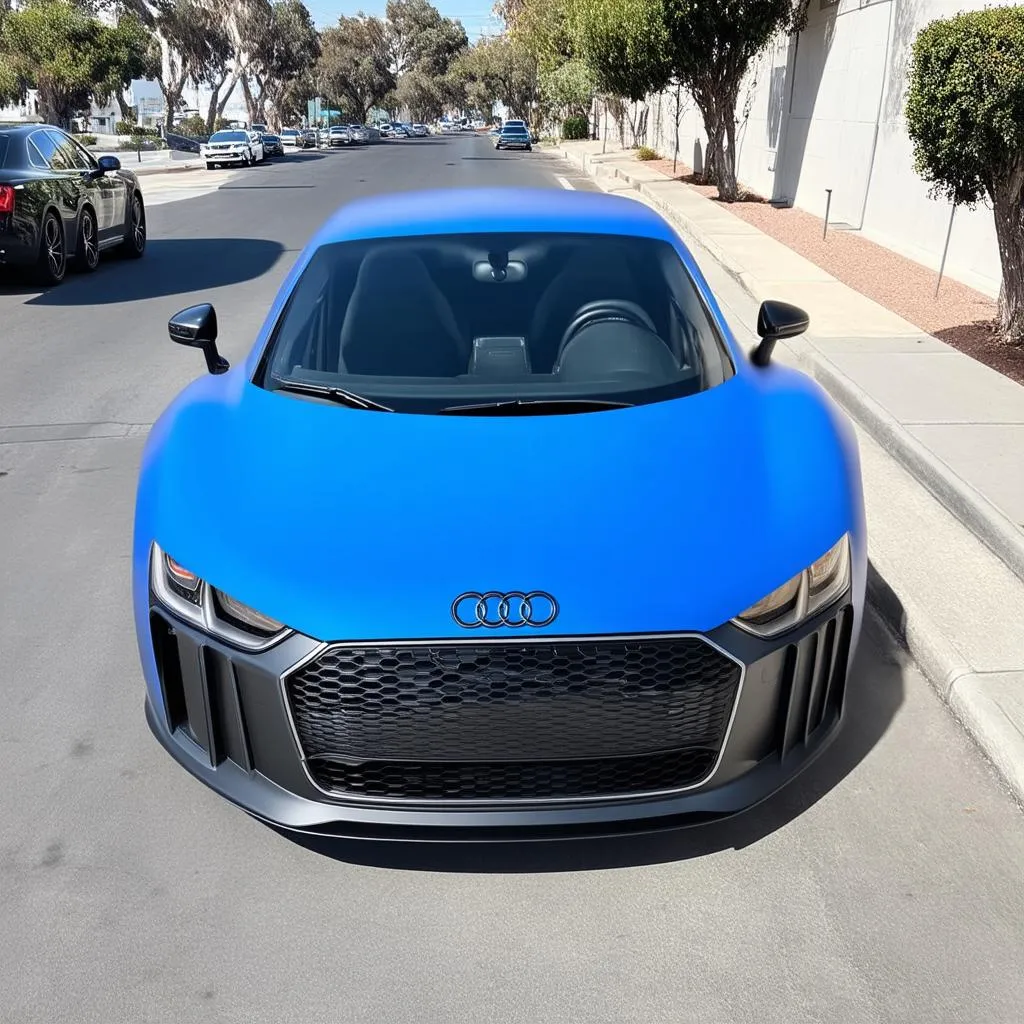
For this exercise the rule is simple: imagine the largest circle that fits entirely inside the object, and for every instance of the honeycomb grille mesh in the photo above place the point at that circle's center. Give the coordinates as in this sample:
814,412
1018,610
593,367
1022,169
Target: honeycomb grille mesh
539,780
492,704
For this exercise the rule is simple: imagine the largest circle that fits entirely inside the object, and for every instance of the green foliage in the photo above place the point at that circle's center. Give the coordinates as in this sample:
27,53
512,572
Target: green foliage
569,87
60,49
965,106
194,125
86,139
355,63
577,127
422,46
625,42
497,70
127,128
646,153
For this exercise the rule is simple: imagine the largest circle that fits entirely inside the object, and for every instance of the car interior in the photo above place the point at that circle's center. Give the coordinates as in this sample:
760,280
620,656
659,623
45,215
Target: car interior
519,314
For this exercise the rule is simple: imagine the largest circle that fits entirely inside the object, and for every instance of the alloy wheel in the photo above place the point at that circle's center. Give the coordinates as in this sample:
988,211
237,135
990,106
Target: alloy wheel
88,252
53,246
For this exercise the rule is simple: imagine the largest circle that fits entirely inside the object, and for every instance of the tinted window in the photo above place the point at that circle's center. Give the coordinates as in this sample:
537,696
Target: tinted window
41,149
3,150
69,154
424,323
229,137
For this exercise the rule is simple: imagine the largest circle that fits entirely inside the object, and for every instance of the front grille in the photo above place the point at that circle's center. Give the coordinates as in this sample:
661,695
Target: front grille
509,780
513,715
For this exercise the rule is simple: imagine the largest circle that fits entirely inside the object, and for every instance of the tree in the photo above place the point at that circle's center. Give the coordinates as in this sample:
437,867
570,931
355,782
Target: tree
68,56
285,46
186,40
422,45
965,117
710,46
355,63
497,70
625,42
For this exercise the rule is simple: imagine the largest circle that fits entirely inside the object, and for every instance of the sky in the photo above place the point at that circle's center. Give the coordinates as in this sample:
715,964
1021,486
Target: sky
475,15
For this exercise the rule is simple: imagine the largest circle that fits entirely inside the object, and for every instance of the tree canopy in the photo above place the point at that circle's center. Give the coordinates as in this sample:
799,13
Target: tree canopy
965,117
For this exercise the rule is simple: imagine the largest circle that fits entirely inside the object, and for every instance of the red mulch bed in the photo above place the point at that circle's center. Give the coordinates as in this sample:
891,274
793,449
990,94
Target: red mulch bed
959,316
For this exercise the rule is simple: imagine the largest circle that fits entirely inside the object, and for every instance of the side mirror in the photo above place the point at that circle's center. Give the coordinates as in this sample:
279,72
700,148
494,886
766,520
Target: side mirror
775,321
109,164
197,328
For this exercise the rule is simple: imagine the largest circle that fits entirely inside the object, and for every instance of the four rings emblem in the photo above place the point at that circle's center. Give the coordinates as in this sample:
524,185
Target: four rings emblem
514,609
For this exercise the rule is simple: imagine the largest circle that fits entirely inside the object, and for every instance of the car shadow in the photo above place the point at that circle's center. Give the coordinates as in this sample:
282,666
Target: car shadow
875,695
171,266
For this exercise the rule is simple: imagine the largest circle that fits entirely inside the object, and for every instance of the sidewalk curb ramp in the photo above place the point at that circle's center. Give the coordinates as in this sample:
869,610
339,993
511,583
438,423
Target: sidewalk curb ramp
987,705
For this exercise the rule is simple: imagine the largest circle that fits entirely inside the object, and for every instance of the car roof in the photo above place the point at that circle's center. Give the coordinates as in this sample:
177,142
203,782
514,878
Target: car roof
478,210
23,127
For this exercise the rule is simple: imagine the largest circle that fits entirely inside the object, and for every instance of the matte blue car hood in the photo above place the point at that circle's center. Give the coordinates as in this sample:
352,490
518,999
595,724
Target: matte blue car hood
348,524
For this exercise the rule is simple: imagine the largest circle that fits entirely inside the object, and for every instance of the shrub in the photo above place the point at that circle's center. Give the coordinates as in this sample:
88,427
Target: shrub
965,117
86,140
194,125
646,153
125,128
576,127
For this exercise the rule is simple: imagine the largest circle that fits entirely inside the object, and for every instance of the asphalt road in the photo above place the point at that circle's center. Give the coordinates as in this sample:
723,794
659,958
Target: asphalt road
884,886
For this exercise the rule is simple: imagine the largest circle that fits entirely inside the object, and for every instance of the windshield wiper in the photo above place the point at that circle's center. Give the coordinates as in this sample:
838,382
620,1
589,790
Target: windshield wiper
333,394
540,407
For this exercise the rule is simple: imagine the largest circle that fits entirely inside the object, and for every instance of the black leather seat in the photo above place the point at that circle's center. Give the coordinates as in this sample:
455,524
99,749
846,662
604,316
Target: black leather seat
398,323
606,276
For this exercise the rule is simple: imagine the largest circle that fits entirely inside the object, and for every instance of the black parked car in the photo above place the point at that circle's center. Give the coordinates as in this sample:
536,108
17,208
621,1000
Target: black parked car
272,145
58,203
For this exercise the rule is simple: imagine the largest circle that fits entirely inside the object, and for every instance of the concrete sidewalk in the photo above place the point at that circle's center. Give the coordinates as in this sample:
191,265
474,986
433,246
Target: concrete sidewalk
947,569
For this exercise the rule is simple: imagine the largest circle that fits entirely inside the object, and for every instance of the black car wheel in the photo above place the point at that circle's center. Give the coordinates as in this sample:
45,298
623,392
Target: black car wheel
134,244
52,263
87,253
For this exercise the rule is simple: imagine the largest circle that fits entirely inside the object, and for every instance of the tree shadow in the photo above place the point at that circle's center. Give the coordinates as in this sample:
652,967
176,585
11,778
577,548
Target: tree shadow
875,695
791,111
171,266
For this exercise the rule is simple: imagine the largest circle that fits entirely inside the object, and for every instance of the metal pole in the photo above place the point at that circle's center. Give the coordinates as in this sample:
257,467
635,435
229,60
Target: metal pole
828,206
945,249
604,145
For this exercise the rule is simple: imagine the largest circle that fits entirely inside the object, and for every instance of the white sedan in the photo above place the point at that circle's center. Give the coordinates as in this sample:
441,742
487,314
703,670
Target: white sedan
231,147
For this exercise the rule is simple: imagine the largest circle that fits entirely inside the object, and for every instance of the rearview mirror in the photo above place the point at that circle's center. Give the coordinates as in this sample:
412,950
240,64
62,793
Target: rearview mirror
197,328
109,164
775,321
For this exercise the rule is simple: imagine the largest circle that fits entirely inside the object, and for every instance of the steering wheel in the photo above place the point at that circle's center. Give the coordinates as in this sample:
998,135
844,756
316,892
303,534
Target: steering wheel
603,310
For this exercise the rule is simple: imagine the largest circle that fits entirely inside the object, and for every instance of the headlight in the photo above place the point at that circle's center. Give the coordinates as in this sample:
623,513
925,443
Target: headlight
193,599
246,616
804,595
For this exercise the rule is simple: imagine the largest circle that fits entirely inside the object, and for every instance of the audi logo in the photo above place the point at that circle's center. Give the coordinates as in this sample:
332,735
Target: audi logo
493,609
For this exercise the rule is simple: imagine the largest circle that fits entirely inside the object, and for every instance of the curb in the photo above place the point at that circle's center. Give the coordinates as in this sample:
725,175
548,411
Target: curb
144,171
968,694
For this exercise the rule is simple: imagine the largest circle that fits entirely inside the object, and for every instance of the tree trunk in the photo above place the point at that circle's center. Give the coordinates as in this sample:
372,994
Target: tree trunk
128,112
227,93
1008,210
719,114
211,114
250,101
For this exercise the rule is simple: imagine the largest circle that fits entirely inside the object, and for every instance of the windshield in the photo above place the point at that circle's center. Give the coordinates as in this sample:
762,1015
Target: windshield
229,137
423,324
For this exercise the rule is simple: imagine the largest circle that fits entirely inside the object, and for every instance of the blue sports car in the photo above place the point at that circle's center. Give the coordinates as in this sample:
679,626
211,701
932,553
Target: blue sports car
497,532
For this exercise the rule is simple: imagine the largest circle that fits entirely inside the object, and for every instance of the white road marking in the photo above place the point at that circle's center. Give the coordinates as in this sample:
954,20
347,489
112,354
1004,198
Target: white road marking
564,182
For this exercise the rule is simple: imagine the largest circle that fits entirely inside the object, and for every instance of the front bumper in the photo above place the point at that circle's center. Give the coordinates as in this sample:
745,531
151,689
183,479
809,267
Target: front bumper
226,157
230,718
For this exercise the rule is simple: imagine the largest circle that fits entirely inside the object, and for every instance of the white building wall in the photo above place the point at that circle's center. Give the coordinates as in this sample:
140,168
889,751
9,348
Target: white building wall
826,112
